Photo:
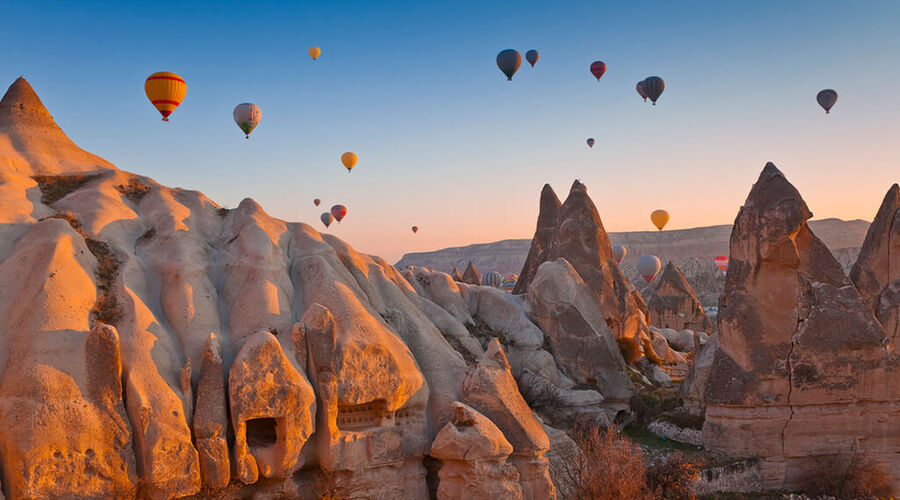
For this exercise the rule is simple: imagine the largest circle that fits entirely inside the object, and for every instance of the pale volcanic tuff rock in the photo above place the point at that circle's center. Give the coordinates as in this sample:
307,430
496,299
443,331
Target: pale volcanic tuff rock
877,269
194,293
471,275
802,368
673,304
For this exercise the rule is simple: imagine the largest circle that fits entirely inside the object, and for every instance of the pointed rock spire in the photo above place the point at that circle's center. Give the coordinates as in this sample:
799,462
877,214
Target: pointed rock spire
471,275
673,303
548,218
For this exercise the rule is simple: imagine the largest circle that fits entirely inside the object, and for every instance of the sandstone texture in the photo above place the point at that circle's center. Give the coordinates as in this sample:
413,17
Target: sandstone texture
673,304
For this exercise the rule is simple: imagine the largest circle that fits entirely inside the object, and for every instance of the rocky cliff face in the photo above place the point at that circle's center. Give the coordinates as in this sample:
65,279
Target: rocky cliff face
802,369
673,304
877,269
134,303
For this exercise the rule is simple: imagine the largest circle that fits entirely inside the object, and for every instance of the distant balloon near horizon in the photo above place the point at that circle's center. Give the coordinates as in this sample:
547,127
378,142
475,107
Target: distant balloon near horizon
247,116
339,212
509,282
653,86
315,52
619,252
722,264
316,202
415,229
598,68
590,142
349,160
326,218
509,61
640,90
165,90
826,98
532,57
648,266
659,218
493,279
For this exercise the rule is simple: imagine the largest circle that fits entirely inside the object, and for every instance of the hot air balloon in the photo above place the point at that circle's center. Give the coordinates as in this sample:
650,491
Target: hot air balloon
493,279
590,142
349,160
509,282
316,202
315,52
339,212
722,264
247,117
653,87
509,61
648,266
166,91
640,90
826,99
619,252
597,69
327,218
659,218
415,229
532,57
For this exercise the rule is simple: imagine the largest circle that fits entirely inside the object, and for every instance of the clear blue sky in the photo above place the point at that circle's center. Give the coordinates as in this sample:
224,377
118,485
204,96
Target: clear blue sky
444,140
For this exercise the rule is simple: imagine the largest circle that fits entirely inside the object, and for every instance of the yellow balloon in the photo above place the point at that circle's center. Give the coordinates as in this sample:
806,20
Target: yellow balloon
315,52
659,218
166,91
349,160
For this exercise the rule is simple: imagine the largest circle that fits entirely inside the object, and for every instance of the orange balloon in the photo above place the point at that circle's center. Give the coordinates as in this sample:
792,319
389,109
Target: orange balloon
659,218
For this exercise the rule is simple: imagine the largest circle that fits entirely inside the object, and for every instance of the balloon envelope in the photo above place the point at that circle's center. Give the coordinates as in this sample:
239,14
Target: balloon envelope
317,201
326,218
659,218
247,117
493,279
826,98
722,263
653,87
349,160
640,90
165,90
415,229
648,266
339,212
619,252
315,52
590,142
532,57
509,282
509,61
597,69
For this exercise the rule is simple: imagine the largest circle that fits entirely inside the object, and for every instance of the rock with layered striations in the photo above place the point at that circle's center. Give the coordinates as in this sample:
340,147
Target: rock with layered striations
576,234
473,453
471,275
802,368
877,269
673,304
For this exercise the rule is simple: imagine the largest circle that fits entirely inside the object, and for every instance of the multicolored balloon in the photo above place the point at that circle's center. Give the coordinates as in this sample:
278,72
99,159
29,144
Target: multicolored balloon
316,202
653,87
315,52
349,160
826,98
598,68
493,279
648,266
590,142
247,116
619,252
659,218
509,61
165,90
326,218
722,264
509,282
339,212
640,90
532,57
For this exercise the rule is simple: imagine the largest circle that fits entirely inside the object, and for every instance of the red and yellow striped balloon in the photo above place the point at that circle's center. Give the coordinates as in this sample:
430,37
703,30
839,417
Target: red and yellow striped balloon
165,90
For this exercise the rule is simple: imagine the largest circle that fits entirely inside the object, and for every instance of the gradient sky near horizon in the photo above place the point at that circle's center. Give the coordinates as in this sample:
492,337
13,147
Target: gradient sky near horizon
444,141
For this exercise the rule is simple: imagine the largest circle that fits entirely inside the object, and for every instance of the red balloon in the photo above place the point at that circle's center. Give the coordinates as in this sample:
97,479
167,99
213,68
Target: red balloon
339,212
317,201
598,68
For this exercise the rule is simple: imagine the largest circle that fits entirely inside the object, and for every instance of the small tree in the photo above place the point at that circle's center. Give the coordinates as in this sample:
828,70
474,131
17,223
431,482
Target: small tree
673,478
848,477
